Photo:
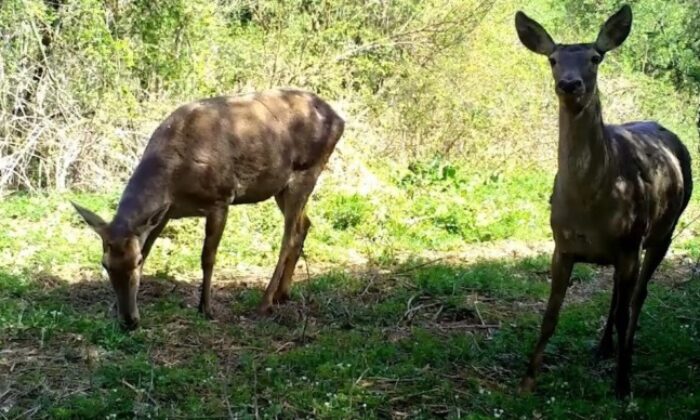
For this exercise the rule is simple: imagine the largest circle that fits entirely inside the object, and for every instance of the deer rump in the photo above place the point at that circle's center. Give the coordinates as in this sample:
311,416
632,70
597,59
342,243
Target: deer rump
234,149
640,198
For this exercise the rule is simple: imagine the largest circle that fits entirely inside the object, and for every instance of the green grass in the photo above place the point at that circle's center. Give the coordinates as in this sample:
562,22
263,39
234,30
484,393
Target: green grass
432,208
401,334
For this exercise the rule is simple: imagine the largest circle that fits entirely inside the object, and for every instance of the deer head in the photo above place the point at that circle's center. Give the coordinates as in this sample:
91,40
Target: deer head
575,66
122,258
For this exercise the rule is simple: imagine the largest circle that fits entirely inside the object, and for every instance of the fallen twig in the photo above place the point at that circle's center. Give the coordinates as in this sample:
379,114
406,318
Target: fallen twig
416,267
28,413
224,385
256,409
687,225
487,327
359,379
369,284
439,311
139,391
284,346
303,329
483,324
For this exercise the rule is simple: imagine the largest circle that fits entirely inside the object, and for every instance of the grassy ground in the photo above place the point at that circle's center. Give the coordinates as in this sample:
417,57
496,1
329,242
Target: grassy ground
428,312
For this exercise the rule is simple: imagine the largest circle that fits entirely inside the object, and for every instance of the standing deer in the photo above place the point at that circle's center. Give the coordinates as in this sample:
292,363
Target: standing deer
619,189
206,156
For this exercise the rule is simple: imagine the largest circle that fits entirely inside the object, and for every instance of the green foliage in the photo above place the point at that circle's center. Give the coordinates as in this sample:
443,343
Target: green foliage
84,83
665,38
474,206
435,205
346,212
430,173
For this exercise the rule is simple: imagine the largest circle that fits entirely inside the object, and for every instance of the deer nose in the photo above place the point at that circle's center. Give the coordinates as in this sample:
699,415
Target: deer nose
569,86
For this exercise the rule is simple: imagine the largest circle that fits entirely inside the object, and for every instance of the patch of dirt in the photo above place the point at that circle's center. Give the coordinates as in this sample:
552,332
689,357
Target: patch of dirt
30,370
442,317
675,270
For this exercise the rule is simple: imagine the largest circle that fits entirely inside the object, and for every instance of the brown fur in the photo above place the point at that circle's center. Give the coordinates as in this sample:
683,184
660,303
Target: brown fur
208,155
619,189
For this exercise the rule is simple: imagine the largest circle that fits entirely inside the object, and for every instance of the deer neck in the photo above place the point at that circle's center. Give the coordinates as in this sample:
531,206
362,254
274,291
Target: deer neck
144,194
583,147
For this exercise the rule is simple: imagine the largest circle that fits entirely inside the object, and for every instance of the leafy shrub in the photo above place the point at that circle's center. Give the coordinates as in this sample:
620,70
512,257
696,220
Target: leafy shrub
348,211
83,84
665,38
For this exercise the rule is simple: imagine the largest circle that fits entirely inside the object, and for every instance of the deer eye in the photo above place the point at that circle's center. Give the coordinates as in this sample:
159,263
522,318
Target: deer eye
139,261
552,62
596,59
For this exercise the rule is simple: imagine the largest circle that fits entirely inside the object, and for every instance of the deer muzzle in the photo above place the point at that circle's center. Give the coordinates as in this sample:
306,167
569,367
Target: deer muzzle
126,303
570,87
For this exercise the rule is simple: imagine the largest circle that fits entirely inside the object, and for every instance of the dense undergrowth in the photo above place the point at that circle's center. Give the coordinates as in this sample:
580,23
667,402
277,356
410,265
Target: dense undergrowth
83,84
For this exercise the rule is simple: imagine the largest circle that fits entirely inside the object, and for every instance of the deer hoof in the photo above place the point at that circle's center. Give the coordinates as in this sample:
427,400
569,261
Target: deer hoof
280,298
527,385
265,309
206,312
622,389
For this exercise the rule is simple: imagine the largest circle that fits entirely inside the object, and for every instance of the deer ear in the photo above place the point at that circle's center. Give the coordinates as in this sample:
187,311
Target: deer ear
533,35
151,220
94,221
615,30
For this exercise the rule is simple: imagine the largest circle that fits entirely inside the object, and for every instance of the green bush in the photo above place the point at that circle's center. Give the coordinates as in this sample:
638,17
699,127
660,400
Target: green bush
348,211
665,38
84,83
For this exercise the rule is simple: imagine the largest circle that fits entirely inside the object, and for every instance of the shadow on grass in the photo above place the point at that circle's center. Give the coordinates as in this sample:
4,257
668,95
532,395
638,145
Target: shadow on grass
421,339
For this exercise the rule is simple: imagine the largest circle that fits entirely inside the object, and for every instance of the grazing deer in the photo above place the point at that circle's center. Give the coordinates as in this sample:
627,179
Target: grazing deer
619,189
206,156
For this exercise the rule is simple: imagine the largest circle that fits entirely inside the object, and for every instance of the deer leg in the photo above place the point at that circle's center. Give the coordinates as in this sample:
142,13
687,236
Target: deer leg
216,221
284,288
151,239
562,264
626,273
652,259
605,348
291,201
266,304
